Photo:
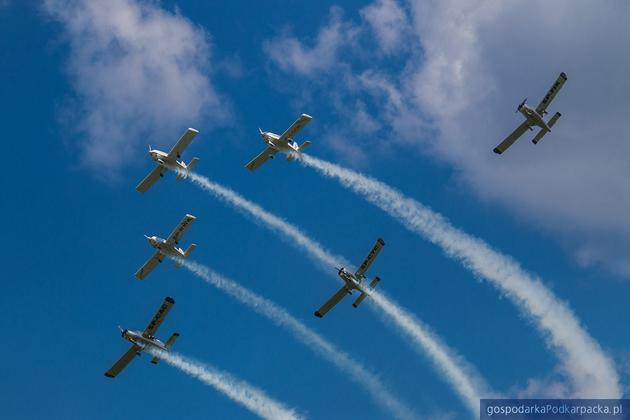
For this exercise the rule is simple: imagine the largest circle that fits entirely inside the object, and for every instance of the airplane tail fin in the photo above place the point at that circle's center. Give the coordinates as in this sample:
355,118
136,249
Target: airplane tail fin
182,175
292,156
542,132
168,345
179,261
363,295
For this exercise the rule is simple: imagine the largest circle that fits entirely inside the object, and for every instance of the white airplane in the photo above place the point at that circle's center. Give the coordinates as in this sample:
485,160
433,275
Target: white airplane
534,117
353,281
167,247
283,143
166,161
141,340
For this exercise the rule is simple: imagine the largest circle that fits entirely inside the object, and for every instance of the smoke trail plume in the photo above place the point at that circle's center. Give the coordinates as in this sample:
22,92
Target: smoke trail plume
468,384
254,399
591,372
316,252
310,338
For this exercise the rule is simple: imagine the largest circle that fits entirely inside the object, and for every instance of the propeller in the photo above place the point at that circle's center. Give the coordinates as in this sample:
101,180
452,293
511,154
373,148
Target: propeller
521,105
339,269
122,331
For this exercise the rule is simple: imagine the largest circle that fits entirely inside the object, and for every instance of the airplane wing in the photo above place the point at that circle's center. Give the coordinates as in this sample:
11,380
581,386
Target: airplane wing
158,317
370,257
179,231
295,127
182,143
261,158
542,106
149,266
509,140
330,303
150,179
123,361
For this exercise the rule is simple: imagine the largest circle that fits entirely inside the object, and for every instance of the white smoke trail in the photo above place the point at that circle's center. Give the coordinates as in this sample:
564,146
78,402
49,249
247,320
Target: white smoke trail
468,384
315,251
591,372
460,374
254,399
310,338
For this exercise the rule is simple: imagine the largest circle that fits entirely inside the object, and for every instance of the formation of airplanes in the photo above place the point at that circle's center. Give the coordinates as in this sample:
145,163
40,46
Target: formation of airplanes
168,248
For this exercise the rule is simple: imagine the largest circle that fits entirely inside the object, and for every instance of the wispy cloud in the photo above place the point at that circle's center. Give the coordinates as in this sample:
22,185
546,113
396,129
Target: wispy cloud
390,25
140,77
290,54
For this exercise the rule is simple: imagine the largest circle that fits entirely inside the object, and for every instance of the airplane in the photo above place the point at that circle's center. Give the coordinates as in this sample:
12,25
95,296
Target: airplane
353,281
283,143
141,340
534,117
167,247
166,161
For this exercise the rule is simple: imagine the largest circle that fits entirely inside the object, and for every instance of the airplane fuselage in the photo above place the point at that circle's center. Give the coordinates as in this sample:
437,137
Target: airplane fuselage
533,117
352,282
162,159
137,338
273,140
165,248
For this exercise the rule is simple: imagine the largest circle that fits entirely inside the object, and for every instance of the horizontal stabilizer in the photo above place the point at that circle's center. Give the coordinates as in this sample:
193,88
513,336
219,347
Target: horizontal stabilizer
192,163
189,250
304,146
554,119
542,131
179,261
168,345
360,299
181,175
363,295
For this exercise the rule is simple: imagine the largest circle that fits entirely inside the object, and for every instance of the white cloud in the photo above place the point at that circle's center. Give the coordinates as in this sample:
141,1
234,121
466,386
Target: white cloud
288,53
576,181
389,23
467,66
140,76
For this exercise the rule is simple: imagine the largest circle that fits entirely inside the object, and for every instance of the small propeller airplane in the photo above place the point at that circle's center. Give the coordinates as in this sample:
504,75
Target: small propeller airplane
354,281
142,340
166,161
534,117
167,247
282,143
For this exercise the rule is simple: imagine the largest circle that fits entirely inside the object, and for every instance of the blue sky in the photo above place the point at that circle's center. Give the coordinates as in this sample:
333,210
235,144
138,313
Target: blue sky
74,224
